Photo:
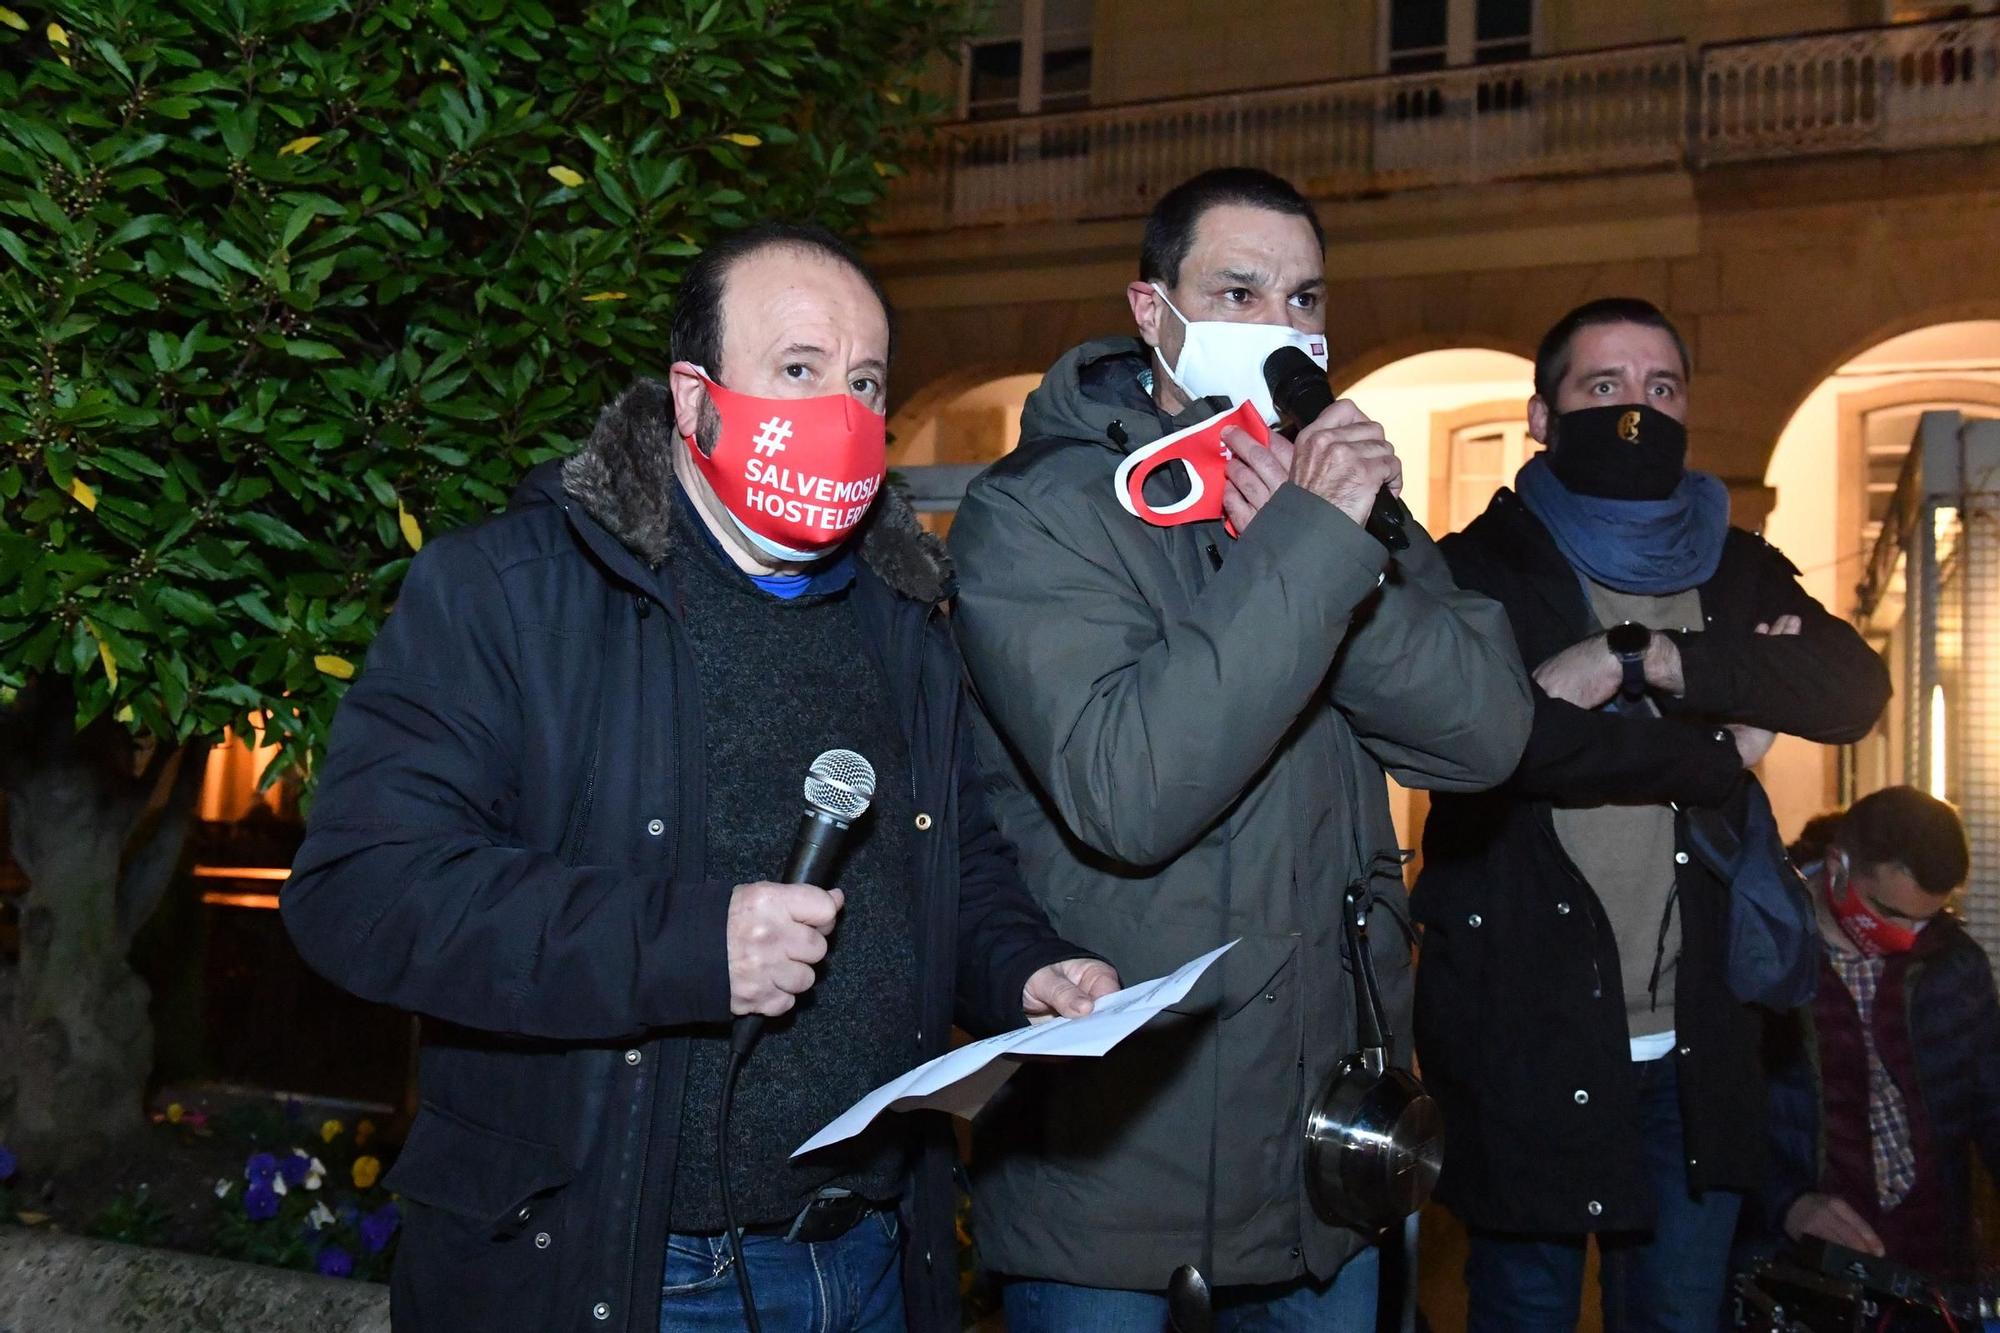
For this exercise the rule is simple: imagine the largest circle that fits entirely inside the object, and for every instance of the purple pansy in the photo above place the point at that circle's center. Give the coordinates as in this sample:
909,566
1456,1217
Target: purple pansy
295,1168
8,1165
334,1262
260,1168
379,1226
260,1202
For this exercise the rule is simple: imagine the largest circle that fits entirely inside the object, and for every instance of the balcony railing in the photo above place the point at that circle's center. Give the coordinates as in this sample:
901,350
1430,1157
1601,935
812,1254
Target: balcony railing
1916,86
1633,108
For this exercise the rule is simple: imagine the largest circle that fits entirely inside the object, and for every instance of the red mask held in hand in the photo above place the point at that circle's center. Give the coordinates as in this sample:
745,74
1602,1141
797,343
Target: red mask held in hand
1206,457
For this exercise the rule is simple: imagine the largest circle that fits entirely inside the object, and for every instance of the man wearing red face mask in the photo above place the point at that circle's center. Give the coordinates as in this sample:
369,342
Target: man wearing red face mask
552,807
1888,1083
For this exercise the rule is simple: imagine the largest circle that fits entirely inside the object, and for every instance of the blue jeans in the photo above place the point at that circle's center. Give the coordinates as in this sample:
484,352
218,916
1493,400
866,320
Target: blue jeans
851,1284
1345,1304
1672,1279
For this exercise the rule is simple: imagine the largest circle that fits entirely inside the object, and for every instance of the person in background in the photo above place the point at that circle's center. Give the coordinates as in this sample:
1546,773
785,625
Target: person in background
1597,1076
1884,1089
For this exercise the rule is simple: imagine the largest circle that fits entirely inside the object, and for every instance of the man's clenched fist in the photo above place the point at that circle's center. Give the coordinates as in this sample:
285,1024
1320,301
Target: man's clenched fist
776,933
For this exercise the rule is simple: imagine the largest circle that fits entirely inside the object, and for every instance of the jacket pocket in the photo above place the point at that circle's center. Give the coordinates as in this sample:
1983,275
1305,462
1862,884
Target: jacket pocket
487,1178
484,1243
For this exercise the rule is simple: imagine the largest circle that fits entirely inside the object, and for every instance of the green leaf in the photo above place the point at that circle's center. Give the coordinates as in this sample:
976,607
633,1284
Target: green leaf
187,605
17,251
227,252
296,224
271,530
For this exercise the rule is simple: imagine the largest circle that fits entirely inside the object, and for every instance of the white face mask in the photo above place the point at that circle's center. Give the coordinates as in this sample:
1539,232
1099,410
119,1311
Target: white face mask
1223,359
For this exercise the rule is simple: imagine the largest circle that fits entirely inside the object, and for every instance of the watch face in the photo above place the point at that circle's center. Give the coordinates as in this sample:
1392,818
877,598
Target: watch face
1628,640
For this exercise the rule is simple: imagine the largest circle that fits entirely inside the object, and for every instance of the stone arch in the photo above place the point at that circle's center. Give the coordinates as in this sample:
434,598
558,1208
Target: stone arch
1859,344
913,426
1380,356
1830,467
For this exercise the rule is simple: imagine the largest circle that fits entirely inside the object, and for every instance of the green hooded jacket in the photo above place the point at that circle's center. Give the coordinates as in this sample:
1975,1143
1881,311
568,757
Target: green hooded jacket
1185,736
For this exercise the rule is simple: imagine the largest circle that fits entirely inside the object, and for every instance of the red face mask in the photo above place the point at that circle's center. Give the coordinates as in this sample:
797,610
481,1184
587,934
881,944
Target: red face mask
1201,448
796,474
1872,933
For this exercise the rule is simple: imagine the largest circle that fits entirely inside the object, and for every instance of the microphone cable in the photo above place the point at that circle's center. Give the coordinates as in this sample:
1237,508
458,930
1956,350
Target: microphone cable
742,1036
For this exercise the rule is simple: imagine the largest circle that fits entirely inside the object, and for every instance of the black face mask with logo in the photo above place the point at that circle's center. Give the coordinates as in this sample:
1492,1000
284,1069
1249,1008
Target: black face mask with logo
1627,451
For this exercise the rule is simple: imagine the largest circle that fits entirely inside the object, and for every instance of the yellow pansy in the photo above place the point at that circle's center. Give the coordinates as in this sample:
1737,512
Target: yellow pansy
367,1170
330,1131
174,1113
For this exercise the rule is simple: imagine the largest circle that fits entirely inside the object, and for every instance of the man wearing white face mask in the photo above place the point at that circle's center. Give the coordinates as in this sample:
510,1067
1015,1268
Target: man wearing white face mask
1195,666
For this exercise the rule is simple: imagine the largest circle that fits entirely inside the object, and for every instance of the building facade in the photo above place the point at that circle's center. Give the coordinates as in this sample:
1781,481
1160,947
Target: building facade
1809,188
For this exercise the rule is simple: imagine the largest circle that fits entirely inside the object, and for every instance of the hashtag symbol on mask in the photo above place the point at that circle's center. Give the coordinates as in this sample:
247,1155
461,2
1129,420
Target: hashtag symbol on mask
771,436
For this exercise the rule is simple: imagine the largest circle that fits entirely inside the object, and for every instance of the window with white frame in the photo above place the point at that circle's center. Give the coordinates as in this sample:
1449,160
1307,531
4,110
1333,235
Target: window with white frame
1033,57
1432,34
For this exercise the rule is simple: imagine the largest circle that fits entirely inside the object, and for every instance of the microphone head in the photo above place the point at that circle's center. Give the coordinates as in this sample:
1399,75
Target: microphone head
840,783
1287,365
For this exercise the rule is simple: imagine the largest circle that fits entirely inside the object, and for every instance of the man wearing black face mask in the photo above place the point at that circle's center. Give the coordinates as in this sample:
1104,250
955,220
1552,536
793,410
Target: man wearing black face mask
1573,1015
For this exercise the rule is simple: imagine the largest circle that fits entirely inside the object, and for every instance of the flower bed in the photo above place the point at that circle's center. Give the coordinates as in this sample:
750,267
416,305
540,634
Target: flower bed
258,1182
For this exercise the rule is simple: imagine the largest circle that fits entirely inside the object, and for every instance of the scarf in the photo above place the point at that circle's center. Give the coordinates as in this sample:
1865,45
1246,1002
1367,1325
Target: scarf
1652,547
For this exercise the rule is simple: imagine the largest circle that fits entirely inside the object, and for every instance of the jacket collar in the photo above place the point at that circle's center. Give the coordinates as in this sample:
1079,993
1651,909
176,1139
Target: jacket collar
1507,526
622,481
1098,393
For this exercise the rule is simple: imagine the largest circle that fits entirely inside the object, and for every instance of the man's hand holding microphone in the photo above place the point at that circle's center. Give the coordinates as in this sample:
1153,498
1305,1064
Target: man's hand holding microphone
777,934
1342,456
1338,454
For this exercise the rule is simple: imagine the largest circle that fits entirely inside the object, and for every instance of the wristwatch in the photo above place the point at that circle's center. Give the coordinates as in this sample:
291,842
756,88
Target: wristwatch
1628,643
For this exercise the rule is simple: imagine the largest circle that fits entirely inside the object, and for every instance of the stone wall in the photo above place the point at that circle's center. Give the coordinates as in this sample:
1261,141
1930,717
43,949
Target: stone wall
52,1283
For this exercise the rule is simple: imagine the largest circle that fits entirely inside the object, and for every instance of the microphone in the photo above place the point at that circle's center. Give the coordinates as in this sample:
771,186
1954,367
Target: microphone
1298,388
839,786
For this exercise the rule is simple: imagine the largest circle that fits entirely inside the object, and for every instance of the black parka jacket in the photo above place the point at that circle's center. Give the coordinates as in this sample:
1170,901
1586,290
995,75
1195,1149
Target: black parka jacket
509,838
1520,1005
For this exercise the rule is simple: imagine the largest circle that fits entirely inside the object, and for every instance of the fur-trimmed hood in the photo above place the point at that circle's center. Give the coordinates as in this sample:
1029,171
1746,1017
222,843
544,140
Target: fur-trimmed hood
624,478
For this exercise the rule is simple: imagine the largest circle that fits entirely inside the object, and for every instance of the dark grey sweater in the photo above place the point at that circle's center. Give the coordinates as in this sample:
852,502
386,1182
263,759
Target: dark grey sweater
780,682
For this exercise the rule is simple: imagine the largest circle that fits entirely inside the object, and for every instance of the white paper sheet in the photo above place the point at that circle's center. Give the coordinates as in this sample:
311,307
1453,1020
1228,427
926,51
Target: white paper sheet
963,1080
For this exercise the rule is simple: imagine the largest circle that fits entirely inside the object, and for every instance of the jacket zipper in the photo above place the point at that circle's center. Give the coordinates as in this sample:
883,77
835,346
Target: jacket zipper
651,1108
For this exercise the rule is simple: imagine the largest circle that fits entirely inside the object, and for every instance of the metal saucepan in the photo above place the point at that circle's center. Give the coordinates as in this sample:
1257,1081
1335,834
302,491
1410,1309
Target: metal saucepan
1374,1137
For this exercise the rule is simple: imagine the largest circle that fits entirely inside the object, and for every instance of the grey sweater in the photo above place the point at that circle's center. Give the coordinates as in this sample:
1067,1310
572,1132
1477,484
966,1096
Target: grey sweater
780,682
